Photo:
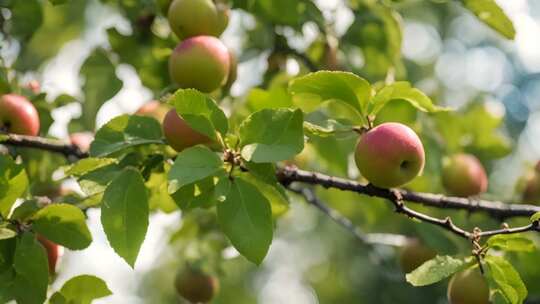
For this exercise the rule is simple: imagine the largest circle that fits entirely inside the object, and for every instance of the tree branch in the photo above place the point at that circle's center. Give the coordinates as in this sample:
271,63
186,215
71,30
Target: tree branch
497,209
366,238
288,175
52,145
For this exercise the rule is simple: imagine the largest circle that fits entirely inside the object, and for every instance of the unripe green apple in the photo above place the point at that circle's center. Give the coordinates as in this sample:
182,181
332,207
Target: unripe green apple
179,134
154,109
468,287
82,140
189,18
390,155
463,175
195,285
54,251
200,63
18,115
414,254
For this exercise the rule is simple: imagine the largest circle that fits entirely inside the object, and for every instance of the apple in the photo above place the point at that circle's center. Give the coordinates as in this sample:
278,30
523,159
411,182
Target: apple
196,286
179,134
18,115
463,175
54,252
468,287
200,63
82,140
414,254
390,155
154,109
189,18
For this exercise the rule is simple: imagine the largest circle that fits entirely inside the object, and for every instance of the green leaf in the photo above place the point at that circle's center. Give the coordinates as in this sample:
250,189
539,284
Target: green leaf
535,217
159,197
402,90
13,183
32,271
331,128
436,269
316,88
82,289
272,135
27,17
6,233
246,218
124,214
100,85
200,112
26,210
377,33
511,242
63,224
491,14
96,181
505,279
193,164
123,132
86,165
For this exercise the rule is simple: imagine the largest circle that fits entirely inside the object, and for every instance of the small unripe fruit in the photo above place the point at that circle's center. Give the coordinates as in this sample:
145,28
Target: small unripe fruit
463,175
53,253
189,18
34,86
196,286
390,155
468,287
200,63
179,134
154,109
18,115
82,140
414,254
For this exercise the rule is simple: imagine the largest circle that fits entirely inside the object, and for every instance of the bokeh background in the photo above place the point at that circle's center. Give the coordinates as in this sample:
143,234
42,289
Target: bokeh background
446,52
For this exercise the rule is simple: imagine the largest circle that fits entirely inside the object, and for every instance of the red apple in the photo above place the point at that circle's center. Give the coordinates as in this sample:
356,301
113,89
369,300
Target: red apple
189,18
54,252
468,287
390,155
154,109
83,140
200,63
463,175
18,115
179,134
414,254
196,286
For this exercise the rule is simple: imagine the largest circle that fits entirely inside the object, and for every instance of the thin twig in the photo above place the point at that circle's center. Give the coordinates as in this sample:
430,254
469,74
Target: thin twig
291,174
366,238
52,145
